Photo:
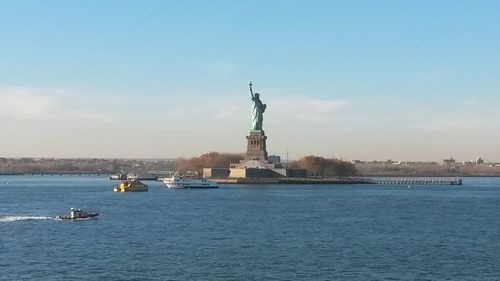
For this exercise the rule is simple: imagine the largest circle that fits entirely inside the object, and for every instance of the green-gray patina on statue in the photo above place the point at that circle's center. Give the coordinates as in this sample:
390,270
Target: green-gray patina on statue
258,109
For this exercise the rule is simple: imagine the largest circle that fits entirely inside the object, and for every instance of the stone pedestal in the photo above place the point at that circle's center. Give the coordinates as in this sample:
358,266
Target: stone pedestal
256,163
256,146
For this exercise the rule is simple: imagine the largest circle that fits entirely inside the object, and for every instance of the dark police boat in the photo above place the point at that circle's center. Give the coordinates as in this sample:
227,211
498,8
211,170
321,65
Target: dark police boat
78,214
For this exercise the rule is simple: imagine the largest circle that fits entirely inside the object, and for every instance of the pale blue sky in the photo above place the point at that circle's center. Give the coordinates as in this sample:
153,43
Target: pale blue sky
405,80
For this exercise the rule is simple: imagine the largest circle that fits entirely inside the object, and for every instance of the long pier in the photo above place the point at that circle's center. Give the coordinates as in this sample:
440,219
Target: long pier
419,181
293,181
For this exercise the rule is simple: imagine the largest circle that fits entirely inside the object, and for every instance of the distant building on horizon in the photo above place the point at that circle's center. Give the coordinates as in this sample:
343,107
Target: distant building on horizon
275,159
449,162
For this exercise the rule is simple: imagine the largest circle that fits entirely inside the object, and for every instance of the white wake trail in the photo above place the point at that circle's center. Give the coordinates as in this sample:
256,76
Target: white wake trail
23,218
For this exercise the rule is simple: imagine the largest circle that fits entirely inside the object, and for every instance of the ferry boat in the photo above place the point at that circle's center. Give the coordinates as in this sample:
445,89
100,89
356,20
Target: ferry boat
141,177
119,176
78,214
130,186
188,182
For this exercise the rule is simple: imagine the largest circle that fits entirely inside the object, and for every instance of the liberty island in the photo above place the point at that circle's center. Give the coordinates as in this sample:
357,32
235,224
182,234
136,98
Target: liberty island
256,166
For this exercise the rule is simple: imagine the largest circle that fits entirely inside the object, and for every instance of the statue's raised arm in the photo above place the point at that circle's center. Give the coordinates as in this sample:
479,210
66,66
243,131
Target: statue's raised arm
251,91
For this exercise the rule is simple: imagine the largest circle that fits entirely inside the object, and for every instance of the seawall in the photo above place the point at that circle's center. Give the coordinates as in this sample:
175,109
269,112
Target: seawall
293,181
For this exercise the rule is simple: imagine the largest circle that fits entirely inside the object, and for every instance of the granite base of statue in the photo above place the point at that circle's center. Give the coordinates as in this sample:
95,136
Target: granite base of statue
256,146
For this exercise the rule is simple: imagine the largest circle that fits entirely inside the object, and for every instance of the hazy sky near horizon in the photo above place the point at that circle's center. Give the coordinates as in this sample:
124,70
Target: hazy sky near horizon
401,80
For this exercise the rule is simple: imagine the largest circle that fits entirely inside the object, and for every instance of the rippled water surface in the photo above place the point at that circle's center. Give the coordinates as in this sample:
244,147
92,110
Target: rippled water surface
273,232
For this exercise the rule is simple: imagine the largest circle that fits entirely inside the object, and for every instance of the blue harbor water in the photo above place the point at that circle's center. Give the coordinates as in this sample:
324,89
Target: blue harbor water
280,232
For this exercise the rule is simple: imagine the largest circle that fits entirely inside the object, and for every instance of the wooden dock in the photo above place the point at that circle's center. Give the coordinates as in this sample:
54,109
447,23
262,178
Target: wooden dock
419,181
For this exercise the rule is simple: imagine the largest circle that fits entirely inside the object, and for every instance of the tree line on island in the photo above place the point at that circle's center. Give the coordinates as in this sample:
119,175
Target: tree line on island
316,166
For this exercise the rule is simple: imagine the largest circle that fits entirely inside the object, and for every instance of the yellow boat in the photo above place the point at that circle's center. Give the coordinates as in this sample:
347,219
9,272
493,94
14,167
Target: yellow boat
130,186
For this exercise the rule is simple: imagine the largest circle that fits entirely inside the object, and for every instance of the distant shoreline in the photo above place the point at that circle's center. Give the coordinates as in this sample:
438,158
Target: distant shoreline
360,178
430,176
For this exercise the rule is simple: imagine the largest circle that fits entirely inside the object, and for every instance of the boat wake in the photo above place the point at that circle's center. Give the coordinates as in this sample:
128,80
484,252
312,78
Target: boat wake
23,218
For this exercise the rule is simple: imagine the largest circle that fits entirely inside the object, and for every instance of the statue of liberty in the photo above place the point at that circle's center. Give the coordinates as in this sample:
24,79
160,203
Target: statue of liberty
258,109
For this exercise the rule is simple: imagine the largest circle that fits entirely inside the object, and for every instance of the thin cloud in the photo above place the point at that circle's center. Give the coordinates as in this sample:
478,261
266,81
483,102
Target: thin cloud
41,104
279,110
461,125
286,109
25,103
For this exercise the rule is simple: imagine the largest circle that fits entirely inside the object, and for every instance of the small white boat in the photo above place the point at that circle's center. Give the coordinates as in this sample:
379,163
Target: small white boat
188,182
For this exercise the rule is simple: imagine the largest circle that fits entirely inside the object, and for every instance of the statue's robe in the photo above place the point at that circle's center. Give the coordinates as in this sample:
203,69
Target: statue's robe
258,109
